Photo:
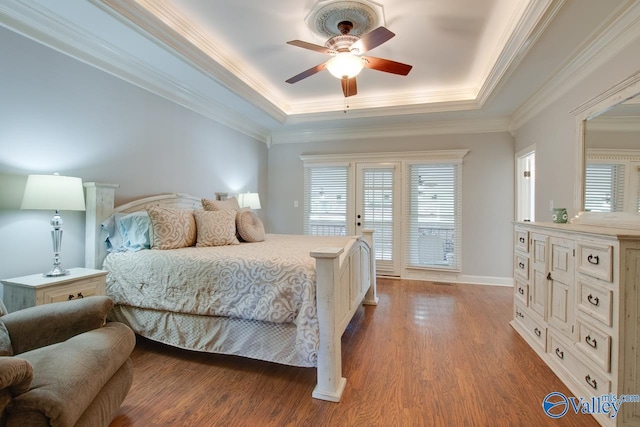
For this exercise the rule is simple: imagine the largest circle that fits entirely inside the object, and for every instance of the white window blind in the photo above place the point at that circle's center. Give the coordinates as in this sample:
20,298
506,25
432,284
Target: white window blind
604,189
433,212
377,190
326,200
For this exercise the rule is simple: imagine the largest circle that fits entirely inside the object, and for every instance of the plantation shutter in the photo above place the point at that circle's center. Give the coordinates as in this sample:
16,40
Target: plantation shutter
326,200
604,189
378,202
433,214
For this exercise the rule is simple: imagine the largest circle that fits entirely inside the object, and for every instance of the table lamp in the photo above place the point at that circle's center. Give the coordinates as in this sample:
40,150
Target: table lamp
249,200
57,193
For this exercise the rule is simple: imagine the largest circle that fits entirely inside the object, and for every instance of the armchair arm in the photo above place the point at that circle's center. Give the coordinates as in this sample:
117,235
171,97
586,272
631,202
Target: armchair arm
47,324
15,374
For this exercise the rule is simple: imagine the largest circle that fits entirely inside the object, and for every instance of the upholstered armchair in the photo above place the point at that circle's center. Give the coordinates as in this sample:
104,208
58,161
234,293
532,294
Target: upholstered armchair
61,365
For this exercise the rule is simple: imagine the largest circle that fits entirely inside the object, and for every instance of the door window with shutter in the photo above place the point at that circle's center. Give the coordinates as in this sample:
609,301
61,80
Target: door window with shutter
413,202
377,195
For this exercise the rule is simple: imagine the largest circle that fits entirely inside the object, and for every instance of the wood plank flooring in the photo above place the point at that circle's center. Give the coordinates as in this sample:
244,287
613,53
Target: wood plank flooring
427,355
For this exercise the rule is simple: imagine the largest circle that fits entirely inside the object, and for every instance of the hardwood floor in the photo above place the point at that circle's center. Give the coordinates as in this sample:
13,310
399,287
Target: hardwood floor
427,355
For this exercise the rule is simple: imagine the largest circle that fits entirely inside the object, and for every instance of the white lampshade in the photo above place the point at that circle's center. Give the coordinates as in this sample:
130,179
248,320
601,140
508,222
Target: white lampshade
345,65
53,192
249,200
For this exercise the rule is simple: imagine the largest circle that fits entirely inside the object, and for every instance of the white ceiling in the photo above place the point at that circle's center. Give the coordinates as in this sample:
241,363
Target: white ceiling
476,61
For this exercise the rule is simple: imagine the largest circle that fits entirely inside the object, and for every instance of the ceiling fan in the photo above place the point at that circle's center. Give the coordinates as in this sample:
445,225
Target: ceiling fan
347,61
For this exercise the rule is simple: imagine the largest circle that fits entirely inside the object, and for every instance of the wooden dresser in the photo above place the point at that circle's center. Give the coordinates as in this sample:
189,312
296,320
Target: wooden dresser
576,298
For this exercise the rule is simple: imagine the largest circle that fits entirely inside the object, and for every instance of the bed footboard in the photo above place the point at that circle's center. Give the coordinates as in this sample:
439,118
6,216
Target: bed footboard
340,289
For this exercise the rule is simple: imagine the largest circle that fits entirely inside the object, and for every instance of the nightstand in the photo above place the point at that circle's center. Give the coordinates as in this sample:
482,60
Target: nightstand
36,289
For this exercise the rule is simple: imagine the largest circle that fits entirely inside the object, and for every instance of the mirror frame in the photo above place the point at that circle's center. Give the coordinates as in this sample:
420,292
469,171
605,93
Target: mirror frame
619,93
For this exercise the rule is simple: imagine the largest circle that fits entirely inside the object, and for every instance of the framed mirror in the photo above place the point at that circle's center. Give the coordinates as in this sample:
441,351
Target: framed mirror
607,182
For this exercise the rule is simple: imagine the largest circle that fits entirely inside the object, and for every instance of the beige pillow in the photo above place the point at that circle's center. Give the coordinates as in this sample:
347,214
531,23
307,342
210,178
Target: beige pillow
216,228
249,226
221,205
171,228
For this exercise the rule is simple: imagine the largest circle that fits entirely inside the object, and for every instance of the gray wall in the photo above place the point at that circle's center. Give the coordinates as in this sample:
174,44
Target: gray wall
487,199
60,115
554,132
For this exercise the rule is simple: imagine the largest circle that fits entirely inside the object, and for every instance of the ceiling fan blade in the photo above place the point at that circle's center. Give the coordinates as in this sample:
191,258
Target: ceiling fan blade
387,65
310,72
371,40
349,87
310,46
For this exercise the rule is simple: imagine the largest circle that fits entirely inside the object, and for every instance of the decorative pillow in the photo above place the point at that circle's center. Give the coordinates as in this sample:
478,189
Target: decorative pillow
171,228
134,228
249,226
114,239
5,341
221,205
216,228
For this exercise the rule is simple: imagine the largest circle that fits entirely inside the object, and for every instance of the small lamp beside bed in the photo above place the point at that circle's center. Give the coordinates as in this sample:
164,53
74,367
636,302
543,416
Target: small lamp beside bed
56,193
249,200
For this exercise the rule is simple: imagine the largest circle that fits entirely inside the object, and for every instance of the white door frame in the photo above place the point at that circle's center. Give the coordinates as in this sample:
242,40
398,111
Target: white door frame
525,186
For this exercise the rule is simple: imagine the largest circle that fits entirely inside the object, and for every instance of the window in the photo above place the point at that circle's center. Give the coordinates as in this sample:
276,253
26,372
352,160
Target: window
612,180
604,189
326,200
413,201
433,197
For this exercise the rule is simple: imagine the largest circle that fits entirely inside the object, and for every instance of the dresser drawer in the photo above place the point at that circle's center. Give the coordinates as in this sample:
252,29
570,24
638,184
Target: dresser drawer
521,292
79,289
596,345
522,240
595,260
595,383
532,325
594,301
521,266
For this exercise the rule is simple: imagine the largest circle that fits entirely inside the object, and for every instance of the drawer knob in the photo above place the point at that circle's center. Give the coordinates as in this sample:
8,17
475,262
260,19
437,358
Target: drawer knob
518,314
521,291
559,353
595,260
71,296
593,300
593,383
521,265
537,331
521,239
592,342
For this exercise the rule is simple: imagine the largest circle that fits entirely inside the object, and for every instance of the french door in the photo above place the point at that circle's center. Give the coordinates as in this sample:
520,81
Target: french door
377,202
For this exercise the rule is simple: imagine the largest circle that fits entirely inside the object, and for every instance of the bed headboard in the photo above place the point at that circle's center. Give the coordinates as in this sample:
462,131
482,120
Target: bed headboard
100,206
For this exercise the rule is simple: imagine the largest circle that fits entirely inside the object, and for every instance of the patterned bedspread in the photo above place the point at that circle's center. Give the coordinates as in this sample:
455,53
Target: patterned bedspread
271,281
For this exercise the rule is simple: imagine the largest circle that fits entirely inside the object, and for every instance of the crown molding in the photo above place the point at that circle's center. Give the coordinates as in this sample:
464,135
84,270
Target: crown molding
456,154
162,25
391,131
604,43
43,26
522,35
613,154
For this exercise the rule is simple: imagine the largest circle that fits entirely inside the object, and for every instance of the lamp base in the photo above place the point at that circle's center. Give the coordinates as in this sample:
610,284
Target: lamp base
56,271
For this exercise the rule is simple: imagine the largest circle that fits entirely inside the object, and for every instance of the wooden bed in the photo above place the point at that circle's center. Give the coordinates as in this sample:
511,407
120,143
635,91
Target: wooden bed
343,281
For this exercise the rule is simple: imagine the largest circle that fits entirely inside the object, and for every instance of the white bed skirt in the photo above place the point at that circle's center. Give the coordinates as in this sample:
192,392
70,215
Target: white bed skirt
271,342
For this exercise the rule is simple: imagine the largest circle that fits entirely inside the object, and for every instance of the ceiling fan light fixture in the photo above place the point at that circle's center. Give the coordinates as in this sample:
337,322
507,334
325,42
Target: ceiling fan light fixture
345,65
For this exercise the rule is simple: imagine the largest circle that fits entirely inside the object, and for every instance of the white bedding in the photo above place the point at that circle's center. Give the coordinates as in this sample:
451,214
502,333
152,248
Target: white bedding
271,281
